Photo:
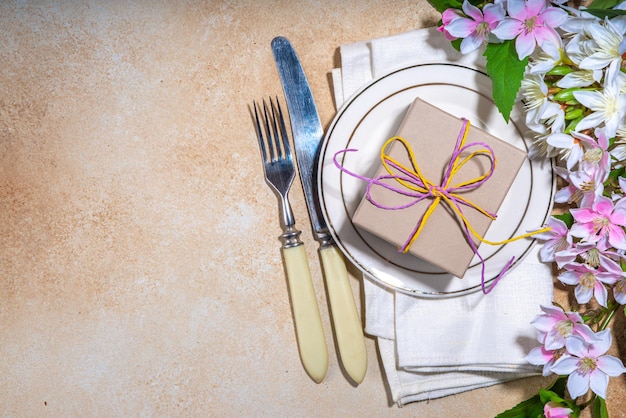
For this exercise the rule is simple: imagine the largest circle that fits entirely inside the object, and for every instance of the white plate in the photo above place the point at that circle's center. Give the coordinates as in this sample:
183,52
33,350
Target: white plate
371,117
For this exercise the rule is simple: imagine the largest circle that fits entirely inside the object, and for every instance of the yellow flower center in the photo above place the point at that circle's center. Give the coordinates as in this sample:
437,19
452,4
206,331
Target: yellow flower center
530,24
588,280
565,327
593,155
587,365
482,29
599,223
593,258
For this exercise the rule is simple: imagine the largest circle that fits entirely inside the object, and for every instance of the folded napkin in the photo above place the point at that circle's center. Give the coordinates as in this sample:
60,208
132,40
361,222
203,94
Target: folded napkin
431,348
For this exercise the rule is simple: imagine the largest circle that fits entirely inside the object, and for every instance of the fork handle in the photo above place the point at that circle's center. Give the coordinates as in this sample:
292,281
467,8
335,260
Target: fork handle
306,314
346,320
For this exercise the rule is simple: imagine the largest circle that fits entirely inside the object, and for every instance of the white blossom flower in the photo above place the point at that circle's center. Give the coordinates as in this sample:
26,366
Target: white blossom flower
546,58
608,106
535,93
609,45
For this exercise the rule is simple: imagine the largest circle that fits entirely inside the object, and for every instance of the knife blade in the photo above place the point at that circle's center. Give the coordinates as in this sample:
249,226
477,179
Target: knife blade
307,135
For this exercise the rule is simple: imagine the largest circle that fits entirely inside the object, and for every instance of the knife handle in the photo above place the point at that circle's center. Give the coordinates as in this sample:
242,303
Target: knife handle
346,320
306,314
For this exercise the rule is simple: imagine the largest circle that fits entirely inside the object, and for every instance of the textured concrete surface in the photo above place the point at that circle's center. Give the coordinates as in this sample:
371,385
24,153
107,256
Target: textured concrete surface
140,272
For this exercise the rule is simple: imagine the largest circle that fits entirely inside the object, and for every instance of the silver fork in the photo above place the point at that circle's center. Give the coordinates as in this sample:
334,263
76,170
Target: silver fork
279,170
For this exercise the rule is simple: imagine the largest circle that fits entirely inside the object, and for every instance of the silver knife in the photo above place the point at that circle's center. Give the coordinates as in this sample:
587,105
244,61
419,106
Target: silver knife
307,136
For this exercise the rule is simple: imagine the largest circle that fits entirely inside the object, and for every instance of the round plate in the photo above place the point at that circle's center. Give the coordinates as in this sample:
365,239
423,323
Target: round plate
372,116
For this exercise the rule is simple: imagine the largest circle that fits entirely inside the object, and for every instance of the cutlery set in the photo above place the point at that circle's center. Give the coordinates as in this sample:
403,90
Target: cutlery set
279,173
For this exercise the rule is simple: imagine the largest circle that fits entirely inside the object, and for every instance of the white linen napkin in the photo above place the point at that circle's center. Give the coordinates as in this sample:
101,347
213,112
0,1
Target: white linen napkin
432,348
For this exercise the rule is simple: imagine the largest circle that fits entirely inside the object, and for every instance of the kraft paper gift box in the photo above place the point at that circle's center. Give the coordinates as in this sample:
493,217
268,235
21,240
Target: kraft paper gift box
432,134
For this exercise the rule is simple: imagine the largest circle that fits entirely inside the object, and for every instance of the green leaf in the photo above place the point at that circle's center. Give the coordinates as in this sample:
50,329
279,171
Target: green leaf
442,5
604,4
602,13
599,408
567,218
531,408
559,385
456,44
506,71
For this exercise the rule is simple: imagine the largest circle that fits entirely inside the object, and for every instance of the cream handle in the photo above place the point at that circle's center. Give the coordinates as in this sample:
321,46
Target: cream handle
306,314
346,320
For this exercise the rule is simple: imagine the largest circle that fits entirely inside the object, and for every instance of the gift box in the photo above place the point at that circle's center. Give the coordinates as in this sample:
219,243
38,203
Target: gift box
432,135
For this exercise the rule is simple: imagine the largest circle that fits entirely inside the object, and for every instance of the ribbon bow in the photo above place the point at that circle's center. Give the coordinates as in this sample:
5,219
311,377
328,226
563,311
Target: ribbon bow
417,186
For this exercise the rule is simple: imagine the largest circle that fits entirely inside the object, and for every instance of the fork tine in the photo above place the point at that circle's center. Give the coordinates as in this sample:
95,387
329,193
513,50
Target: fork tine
283,130
259,132
268,131
276,136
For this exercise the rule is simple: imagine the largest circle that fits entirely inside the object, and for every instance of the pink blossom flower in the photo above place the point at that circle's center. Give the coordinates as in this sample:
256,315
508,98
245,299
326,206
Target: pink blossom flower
583,188
602,221
589,281
557,239
554,410
557,325
540,356
588,366
476,27
583,149
596,155
593,254
532,23
448,16
619,291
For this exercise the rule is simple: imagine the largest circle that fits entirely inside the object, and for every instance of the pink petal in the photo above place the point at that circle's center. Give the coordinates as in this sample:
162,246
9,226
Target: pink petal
538,356
603,206
576,346
471,43
622,183
553,311
548,251
472,11
600,293
508,29
565,365
558,226
544,323
618,217
583,294
601,345
582,230
564,194
583,215
546,34
598,382
534,7
569,277
617,237
577,385
525,45
449,15
585,332
493,14
517,9
554,17
610,365
461,27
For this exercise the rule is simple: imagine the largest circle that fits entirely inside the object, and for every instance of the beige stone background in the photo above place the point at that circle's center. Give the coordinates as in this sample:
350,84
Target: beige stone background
140,271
